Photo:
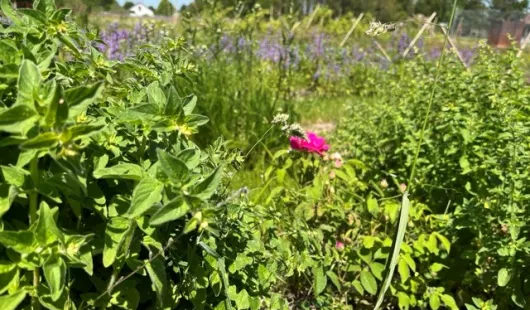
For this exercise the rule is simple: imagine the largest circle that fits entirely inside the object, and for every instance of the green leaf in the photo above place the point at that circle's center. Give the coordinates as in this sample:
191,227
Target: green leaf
434,301
368,282
29,80
196,120
403,300
358,286
410,261
57,112
503,277
373,206
173,103
35,16
208,186
120,171
9,274
224,276
173,210
14,175
319,281
46,231
117,230
157,273
79,98
11,302
396,246
145,195
191,157
403,269
10,13
55,274
449,301
11,120
189,104
20,241
82,130
446,244
43,141
155,95
172,167
334,278
377,270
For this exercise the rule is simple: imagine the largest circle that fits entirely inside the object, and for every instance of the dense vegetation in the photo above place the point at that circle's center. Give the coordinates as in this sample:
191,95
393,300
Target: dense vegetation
155,166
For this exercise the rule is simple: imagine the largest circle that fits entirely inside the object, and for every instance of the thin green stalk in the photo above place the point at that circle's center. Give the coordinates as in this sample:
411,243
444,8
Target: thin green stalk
405,205
33,204
431,98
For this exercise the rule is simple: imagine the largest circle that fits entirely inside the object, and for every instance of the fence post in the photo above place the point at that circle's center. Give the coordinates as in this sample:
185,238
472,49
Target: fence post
427,23
355,23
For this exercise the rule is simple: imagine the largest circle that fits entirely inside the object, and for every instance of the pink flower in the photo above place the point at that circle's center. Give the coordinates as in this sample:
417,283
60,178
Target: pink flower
403,187
313,144
338,163
339,245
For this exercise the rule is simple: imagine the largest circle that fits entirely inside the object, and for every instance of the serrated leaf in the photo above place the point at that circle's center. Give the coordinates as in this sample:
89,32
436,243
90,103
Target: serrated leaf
55,274
369,283
145,195
319,281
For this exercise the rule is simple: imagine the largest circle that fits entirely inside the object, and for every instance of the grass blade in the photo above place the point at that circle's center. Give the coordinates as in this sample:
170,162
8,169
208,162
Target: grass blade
396,247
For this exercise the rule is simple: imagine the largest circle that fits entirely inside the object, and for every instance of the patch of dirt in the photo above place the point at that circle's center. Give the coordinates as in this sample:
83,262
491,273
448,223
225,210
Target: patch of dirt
320,127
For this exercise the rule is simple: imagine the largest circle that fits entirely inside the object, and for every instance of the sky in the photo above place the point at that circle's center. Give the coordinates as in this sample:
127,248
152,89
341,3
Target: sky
154,3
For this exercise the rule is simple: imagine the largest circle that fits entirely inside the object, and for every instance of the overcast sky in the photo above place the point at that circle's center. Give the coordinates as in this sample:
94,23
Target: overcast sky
154,3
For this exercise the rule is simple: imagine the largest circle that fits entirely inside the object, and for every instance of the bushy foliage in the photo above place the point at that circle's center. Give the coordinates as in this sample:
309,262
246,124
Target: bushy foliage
472,167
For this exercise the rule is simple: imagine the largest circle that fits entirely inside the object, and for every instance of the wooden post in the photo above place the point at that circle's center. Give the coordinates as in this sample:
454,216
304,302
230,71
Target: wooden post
382,50
453,47
418,35
355,23
317,7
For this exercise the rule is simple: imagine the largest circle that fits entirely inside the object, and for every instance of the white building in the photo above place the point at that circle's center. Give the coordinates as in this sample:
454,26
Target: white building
140,10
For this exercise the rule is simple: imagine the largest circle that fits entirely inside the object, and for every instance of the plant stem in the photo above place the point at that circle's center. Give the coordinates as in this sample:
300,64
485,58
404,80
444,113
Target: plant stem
431,99
33,203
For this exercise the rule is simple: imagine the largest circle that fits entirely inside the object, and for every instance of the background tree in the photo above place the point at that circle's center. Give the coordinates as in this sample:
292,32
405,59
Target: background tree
509,5
165,8
127,5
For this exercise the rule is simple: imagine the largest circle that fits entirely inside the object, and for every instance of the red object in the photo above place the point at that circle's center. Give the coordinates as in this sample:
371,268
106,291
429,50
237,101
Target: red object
313,144
501,29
